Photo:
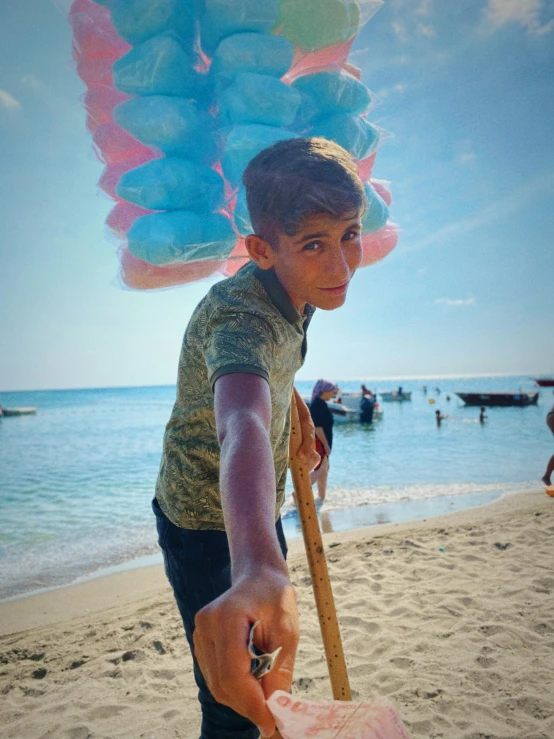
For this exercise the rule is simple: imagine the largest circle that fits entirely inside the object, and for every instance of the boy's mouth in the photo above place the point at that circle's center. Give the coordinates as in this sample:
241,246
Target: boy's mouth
339,290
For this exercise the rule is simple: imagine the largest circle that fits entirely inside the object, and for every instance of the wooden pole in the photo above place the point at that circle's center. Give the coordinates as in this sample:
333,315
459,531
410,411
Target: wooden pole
321,584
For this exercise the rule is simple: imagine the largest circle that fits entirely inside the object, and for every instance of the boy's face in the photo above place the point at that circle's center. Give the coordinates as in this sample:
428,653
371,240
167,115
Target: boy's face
316,264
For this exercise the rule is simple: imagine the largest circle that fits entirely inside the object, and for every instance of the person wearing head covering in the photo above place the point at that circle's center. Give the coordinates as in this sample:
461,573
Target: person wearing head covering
323,422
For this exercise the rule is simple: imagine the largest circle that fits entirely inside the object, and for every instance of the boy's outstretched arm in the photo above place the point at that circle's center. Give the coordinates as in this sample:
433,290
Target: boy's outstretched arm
261,589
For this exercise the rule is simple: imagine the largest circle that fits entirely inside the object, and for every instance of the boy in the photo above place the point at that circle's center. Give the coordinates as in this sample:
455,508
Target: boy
224,464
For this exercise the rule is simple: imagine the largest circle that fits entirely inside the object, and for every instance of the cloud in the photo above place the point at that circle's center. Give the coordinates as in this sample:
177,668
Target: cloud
423,7
525,12
456,302
426,30
400,32
468,157
399,88
465,155
492,212
52,99
30,80
8,101
63,5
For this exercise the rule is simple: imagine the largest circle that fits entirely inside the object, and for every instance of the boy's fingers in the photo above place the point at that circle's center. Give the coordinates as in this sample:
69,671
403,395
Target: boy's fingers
308,433
252,704
307,446
231,683
225,663
311,459
222,635
278,679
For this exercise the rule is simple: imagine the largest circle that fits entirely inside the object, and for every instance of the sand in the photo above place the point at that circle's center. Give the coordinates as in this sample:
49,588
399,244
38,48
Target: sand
452,618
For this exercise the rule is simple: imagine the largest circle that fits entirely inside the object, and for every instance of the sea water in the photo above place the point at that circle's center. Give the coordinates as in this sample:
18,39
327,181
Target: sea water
77,479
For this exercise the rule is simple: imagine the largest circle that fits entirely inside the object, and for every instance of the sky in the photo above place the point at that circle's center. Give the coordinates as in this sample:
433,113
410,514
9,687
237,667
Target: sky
466,91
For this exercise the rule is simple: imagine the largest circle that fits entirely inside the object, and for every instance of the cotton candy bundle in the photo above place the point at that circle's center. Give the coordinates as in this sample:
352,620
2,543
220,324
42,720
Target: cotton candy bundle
181,94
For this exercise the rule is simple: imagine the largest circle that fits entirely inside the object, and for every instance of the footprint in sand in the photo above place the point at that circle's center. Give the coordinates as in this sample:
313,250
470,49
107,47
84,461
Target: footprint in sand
543,628
104,712
490,629
402,663
137,655
79,732
485,662
159,647
163,674
303,683
75,664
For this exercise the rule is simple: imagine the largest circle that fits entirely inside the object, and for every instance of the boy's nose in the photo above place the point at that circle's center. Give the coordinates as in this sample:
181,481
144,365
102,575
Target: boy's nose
337,267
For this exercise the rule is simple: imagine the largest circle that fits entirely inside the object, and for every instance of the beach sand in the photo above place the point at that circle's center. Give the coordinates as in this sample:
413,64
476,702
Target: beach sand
452,618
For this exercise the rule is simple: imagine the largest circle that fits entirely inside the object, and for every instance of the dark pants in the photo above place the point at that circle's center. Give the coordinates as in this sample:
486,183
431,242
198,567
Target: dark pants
198,566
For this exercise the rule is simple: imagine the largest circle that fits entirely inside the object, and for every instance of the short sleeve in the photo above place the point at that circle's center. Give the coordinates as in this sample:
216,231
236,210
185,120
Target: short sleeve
238,341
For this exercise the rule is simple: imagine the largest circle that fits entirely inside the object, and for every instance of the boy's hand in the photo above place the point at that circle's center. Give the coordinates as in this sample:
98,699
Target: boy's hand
307,450
221,639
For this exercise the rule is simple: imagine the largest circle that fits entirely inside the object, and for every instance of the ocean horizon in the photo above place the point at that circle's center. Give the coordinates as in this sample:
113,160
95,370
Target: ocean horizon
530,376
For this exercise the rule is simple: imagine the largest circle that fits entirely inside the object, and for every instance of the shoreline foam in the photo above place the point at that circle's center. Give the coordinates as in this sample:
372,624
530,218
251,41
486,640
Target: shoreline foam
97,591
332,520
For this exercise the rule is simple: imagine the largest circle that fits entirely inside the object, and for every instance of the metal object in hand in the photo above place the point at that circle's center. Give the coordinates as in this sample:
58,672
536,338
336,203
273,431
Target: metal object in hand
261,663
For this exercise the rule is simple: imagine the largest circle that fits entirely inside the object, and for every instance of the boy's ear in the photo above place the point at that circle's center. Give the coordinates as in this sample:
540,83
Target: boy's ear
259,251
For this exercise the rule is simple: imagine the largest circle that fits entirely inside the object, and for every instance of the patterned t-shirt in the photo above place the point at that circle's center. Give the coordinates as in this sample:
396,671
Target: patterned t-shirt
246,323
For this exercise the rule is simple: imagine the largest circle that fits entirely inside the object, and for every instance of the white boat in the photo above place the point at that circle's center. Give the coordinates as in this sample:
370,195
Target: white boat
348,410
394,395
342,414
18,411
353,402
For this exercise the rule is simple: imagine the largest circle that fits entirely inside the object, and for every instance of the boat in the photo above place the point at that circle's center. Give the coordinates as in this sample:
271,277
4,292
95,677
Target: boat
352,403
19,411
545,381
394,395
348,409
342,414
500,399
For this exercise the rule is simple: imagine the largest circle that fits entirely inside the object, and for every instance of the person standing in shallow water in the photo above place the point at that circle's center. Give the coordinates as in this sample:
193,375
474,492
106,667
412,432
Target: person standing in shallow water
367,405
547,477
323,422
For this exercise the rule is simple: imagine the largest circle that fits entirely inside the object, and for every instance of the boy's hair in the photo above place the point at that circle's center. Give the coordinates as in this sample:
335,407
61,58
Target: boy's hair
298,178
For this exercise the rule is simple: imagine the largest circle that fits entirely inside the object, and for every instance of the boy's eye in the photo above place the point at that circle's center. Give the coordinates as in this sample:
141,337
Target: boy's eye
311,246
349,235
